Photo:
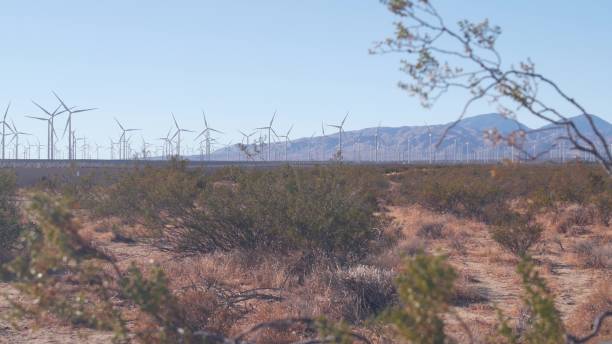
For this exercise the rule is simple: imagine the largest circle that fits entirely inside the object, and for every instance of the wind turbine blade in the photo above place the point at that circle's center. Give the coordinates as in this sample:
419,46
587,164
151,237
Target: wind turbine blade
120,126
61,101
84,110
132,129
342,124
175,122
272,120
40,107
200,134
215,130
289,131
40,118
6,111
66,128
205,122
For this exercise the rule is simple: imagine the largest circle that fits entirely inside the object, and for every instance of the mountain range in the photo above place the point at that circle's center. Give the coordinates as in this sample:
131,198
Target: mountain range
465,139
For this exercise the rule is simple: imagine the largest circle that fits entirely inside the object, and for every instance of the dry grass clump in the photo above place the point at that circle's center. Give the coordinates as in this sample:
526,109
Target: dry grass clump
594,252
467,291
431,231
350,294
370,288
578,216
600,300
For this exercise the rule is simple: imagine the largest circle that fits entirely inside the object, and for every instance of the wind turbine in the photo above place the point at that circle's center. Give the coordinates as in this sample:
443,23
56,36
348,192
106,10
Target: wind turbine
145,145
430,148
270,131
50,127
376,145
71,153
286,137
206,133
322,141
340,131
16,134
178,135
4,126
167,147
122,140
247,138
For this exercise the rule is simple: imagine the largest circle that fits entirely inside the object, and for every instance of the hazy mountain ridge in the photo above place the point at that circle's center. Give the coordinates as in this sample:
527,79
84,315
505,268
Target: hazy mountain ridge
466,135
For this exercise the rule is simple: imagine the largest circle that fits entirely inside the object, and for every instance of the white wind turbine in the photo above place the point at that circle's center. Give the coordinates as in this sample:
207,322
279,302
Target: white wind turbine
167,147
247,138
270,131
286,137
322,147
16,134
340,128
178,135
4,126
51,133
71,152
206,132
123,153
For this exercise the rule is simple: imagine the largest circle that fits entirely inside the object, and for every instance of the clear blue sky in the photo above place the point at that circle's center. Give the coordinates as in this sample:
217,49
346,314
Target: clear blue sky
240,60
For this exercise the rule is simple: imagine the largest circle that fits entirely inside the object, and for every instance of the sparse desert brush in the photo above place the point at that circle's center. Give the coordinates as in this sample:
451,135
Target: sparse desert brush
329,210
10,227
370,290
468,191
516,233
599,300
466,291
433,230
594,253
575,216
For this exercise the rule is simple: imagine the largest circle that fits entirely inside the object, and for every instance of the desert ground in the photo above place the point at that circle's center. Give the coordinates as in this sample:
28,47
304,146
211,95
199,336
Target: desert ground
227,289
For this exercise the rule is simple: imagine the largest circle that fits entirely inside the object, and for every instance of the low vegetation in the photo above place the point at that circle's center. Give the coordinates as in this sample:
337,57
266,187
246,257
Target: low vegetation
322,255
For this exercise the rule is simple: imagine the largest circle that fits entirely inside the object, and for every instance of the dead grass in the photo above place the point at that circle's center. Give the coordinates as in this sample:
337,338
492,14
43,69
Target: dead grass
599,299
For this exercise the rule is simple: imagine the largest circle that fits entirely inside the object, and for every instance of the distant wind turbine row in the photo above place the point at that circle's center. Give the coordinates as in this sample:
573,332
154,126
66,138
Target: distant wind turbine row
262,147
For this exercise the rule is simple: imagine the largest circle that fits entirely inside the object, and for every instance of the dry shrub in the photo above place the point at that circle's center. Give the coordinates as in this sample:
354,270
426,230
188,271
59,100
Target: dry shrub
370,287
431,231
598,301
350,294
457,240
516,233
466,291
203,309
594,253
576,216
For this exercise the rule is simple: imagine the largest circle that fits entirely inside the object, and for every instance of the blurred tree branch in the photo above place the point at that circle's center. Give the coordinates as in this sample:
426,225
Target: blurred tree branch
438,59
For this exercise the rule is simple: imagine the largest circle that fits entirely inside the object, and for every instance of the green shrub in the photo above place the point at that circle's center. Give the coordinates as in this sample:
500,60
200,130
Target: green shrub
516,233
425,289
10,228
326,211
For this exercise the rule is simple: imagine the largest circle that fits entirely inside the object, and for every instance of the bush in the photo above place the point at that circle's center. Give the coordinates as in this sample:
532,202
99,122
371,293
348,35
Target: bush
326,211
594,254
370,288
425,289
516,233
10,228
431,231
467,191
